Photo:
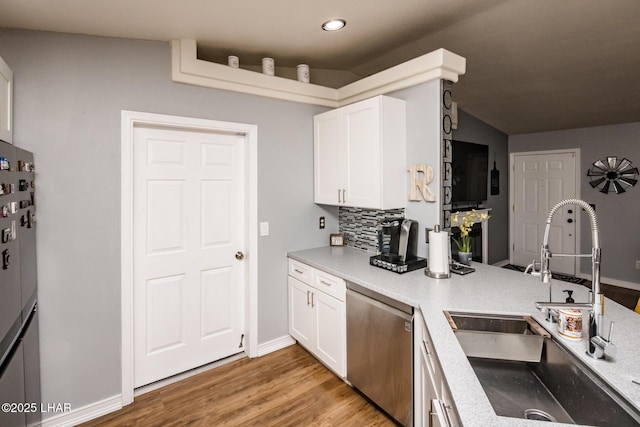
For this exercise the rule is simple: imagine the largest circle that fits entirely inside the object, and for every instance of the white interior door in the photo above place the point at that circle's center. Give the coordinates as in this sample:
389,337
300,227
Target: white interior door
188,225
539,182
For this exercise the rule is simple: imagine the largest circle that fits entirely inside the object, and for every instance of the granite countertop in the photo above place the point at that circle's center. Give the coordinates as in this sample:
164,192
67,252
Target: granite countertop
489,290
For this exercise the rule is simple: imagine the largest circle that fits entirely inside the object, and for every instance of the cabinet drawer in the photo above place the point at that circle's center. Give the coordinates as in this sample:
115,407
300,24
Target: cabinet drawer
329,284
301,271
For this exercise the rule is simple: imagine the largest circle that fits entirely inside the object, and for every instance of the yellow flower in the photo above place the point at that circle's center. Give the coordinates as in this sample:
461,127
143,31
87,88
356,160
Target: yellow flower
470,218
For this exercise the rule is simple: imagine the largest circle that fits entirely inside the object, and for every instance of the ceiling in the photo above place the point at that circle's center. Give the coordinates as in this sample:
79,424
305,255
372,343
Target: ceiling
532,66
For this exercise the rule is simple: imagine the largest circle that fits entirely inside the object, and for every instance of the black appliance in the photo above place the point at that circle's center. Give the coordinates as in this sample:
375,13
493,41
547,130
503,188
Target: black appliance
398,246
19,337
470,170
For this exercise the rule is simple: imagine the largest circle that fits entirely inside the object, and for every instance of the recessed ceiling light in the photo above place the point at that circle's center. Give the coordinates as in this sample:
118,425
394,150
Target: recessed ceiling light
334,24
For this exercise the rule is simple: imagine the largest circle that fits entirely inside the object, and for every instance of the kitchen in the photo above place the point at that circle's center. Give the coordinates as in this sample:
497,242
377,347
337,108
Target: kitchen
74,87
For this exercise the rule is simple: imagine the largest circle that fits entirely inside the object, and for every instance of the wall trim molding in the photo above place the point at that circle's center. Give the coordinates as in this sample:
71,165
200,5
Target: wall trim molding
85,413
275,345
187,68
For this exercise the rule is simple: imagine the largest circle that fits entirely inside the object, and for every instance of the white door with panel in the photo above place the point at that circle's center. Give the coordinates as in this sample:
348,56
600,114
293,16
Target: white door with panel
539,182
188,222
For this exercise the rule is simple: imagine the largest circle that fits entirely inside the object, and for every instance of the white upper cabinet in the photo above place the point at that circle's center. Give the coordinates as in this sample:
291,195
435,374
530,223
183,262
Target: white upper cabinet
360,155
6,102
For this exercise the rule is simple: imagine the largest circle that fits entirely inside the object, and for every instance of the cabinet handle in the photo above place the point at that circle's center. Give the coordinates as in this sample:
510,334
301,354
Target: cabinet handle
298,271
344,196
312,300
339,196
308,297
325,283
426,349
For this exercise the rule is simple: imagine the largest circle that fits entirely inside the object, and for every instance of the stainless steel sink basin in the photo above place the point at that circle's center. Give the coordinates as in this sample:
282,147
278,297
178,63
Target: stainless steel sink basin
497,323
498,337
559,387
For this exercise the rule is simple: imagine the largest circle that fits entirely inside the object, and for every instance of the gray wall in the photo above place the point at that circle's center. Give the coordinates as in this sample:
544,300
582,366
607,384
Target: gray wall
471,129
423,146
69,92
617,214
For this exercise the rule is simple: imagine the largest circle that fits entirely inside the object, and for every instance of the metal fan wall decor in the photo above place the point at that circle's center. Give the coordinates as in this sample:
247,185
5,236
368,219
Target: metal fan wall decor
610,174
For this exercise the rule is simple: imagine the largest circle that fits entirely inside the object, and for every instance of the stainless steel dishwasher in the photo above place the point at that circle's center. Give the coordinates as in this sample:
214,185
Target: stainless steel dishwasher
379,350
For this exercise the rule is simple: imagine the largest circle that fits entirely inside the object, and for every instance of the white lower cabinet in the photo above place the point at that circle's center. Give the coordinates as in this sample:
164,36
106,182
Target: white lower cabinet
317,319
301,321
432,400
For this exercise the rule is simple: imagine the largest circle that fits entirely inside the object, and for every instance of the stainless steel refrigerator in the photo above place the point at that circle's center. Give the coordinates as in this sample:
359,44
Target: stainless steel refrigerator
19,339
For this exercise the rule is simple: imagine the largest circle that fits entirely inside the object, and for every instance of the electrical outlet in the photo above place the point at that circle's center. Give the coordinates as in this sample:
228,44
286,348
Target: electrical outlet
638,264
321,223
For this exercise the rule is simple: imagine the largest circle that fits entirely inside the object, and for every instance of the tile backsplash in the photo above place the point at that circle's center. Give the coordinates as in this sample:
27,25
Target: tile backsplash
360,226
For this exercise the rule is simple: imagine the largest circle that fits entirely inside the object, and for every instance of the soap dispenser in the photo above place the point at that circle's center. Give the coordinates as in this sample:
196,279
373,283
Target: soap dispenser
569,297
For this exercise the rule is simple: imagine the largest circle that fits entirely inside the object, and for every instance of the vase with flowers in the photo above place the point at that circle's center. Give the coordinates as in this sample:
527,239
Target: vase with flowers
465,221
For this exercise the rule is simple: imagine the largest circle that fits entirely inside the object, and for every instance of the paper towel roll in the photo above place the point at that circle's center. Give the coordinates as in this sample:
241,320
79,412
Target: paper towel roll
438,257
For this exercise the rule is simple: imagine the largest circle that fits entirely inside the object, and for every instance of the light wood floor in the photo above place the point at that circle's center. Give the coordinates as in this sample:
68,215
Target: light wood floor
285,388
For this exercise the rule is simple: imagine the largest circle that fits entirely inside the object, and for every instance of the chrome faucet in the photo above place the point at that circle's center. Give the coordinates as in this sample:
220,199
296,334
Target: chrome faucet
598,346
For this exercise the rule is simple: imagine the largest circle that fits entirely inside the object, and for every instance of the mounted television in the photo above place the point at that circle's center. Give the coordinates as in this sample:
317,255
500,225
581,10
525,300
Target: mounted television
470,166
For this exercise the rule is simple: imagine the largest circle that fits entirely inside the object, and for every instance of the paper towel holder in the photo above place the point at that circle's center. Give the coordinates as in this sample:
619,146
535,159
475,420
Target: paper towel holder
432,274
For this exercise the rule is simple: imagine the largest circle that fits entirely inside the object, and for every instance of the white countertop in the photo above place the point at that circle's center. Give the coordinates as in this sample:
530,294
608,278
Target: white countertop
488,290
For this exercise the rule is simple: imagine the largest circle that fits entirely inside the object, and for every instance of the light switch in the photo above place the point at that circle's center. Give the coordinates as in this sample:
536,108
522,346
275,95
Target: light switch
264,229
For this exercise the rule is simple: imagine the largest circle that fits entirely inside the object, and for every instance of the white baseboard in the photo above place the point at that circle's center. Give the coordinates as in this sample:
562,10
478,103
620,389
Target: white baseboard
86,413
275,345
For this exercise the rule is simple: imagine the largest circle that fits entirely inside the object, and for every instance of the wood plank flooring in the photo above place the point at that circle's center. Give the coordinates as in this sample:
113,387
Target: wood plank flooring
285,388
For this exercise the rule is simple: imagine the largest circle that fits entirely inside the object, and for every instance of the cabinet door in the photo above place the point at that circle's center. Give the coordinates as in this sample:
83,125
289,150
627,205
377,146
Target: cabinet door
331,326
301,317
427,387
329,157
6,102
364,170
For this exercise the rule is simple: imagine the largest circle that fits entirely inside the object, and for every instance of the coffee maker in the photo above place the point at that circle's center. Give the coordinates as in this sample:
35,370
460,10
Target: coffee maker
398,246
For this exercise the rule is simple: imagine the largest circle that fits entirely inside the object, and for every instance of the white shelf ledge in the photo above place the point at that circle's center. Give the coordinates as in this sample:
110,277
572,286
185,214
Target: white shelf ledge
187,68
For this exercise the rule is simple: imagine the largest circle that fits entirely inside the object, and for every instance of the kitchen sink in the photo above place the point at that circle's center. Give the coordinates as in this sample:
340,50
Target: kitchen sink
497,336
557,387
496,323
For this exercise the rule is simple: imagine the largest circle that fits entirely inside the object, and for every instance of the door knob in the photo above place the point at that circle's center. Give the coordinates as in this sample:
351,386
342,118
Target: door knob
239,255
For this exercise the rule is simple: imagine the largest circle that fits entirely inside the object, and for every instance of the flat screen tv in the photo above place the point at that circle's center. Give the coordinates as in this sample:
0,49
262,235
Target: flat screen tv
469,166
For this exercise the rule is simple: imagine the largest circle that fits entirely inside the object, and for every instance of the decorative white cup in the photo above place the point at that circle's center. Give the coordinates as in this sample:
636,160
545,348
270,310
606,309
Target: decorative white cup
234,61
268,66
303,73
